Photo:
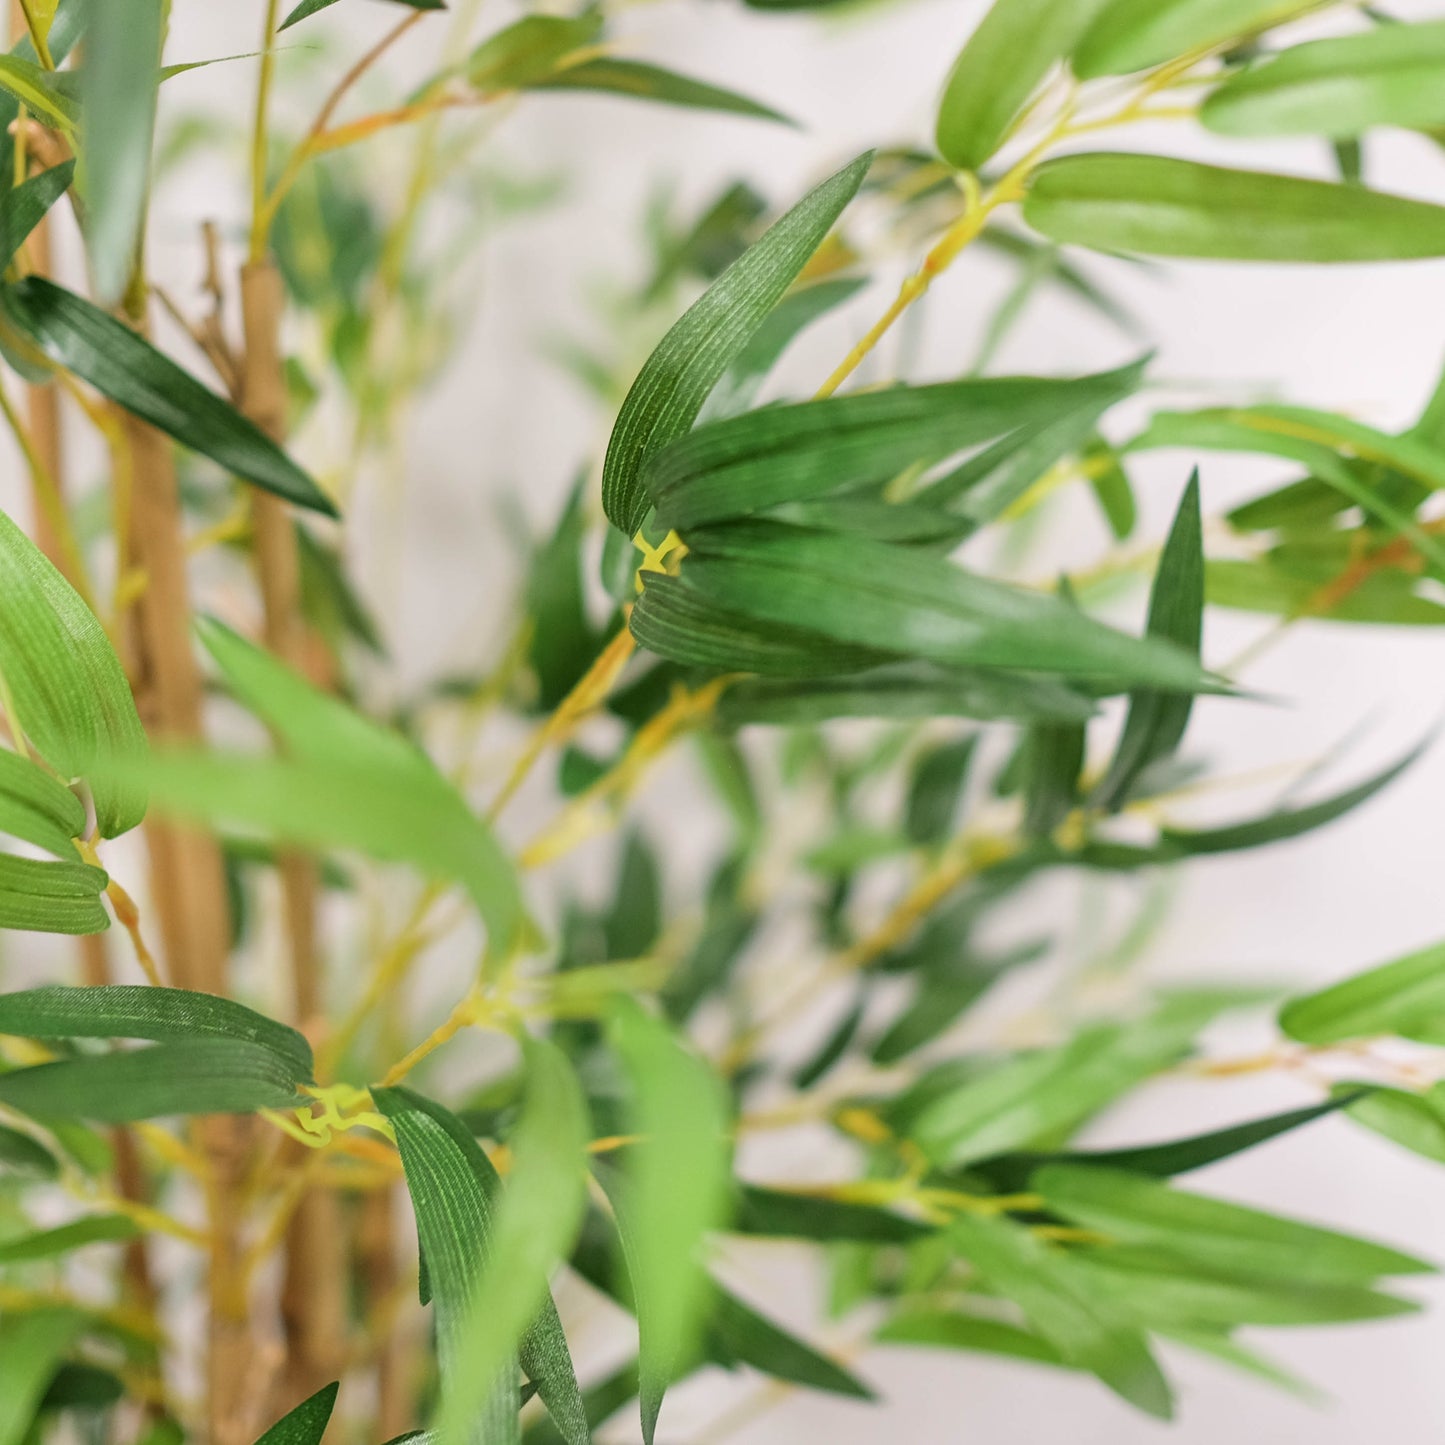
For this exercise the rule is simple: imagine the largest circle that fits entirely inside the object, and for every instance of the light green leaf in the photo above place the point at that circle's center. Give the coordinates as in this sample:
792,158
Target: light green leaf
762,459
1133,1209
1156,721
198,1076
1062,1308
674,1191
37,90
639,81
118,101
1405,997
1161,206
529,49
869,594
949,1330
123,1011
45,897
132,373
306,1424
1136,34
1014,47
1414,1121
37,807
47,1243
686,365
66,25
1341,87
69,691
535,1222
310,7
32,1344
1385,597
445,1163
24,206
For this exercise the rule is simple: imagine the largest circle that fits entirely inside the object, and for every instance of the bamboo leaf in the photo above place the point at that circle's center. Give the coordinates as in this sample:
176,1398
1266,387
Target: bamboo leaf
32,1344
950,1330
676,379
47,1243
310,7
1133,1209
132,373
198,1076
123,1011
1063,1309
788,1214
732,468
66,23
69,691
38,808
1414,1121
1405,997
936,789
118,102
674,1191
1014,47
1156,722
1136,34
739,1333
868,594
639,81
1389,75
37,90
24,206
44,897
20,1154
306,1424
1161,206
529,49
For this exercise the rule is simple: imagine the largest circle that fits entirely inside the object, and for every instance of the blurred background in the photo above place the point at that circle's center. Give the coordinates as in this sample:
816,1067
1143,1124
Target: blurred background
540,251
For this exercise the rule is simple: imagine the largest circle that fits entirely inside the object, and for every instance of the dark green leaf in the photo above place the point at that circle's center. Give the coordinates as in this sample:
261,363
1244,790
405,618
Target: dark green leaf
306,1424
76,1386
687,363
25,205
738,1332
20,1154
786,1214
1156,721
529,49
132,373
1166,207
199,1076
97,1229
640,81
936,789
310,7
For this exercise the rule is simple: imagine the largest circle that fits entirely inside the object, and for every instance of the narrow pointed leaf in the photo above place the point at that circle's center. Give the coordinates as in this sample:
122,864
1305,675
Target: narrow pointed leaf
1136,34
1414,1121
737,1332
47,1243
132,373
306,1424
38,808
37,90
787,1214
1160,206
1156,721
529,49
942,1329
24,206
1014,47
676,379
1405,997
199,1076
310,7
32,1344
639,81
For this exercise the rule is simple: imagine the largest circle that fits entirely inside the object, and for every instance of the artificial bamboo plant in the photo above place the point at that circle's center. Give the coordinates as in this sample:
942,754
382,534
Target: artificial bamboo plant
893,745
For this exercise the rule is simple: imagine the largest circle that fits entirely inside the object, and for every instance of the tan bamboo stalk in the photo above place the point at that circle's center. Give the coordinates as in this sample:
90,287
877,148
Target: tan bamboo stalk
313,1290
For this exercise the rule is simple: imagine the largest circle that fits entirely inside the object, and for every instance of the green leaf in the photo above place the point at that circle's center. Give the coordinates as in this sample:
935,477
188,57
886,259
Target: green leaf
936,789
1133,1209
1285,822
1390,75
456,1188
38,808
1014,47
66,24
306,1424
686,365
47,1243
124,1011
533,1227
563,643
44,897
674,1191
1137,34
789,1214
1414,1121
37,90
1156,721
872,595
738,387
1405,997
1053,759
1386,598
69,691
118,101
78,1386
310,7
529,49
1161,206
32,1344
24,206
20,1154
781,454
1111,486
132,373
198,1076
904,691
949,1330
1061,1307
739,1333
640,81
